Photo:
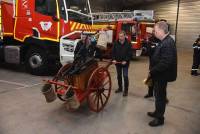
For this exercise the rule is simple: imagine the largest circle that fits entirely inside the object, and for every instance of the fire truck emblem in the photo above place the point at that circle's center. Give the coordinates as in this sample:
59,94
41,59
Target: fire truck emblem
45,25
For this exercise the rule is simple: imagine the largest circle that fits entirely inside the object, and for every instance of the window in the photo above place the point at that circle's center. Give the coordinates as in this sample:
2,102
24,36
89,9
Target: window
127,28
130,30
46,7
62,9
78,5
79,18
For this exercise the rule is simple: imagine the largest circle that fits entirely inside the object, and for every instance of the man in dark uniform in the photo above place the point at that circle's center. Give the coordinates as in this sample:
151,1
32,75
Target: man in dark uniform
81,47
83,55
122,53
196,57
163,70
151,44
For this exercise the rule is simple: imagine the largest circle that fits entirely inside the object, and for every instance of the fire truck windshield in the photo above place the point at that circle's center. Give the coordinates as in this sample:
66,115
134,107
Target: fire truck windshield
77,10
78,5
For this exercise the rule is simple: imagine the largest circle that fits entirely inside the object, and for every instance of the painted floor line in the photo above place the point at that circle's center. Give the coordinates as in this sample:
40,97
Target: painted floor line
29,86
13,83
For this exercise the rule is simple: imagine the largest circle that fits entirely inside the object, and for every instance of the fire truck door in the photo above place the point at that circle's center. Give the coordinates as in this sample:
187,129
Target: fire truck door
128,29
23,19
46,20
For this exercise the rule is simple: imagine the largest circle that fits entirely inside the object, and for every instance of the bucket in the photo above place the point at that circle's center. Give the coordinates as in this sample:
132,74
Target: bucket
49,93
71,103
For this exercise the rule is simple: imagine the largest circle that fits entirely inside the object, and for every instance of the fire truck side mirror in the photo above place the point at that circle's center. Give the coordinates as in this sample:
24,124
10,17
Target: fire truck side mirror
55,18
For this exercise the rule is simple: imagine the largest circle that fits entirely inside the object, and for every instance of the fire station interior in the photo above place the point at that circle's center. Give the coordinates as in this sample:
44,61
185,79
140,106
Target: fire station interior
76,94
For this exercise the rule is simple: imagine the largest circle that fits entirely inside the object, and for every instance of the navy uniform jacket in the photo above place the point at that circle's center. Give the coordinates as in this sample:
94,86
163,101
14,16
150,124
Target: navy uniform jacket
122,52
196,44
164,61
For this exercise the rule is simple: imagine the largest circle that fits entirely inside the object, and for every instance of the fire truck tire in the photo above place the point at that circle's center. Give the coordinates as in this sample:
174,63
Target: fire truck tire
36,61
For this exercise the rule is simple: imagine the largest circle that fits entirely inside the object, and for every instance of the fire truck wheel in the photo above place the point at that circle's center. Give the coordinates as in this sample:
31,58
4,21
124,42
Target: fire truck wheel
36,61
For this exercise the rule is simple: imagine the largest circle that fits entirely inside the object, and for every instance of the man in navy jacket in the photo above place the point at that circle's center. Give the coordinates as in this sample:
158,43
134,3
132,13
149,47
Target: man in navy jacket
163,70
122,53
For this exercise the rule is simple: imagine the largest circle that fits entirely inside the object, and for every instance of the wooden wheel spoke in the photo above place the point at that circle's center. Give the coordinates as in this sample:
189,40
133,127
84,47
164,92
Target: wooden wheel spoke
101,98
105,95
104,84
97,102
95,98
99,86
106,89
92,96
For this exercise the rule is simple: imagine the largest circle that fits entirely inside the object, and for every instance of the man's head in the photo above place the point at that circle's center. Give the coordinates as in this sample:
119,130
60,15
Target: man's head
84,38
122,36
161,29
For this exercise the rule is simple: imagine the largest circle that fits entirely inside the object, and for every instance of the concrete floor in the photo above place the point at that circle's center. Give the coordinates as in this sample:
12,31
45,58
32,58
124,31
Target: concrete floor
23,109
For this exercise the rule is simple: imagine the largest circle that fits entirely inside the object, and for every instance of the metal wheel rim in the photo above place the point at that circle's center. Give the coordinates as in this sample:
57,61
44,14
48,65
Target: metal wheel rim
35,61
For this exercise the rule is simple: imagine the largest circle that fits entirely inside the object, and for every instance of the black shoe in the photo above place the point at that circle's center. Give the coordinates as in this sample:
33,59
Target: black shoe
118,91
151,114
125,94
148,96
156,122
194,73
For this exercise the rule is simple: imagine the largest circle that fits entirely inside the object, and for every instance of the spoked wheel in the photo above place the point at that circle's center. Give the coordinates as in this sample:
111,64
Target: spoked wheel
63,79
99,88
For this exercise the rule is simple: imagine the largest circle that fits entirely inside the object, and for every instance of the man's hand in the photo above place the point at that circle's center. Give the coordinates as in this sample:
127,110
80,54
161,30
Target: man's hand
124,62
114,61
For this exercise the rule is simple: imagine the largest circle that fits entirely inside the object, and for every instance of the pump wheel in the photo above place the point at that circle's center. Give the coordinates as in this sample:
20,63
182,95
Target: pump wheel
36,61
99,86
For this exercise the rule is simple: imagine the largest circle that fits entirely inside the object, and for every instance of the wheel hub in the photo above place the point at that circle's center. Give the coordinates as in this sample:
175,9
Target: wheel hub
35,61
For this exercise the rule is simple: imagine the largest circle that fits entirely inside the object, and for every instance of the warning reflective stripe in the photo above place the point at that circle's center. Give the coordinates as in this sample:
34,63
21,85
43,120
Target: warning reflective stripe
73,26
195,69
196,47
81,26
78,25
85,27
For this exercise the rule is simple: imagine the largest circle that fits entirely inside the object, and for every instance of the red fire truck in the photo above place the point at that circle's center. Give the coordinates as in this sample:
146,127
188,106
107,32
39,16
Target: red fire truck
41,33
136,29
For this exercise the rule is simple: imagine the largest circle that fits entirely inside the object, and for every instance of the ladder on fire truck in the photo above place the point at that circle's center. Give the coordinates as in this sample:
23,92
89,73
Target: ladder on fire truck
111,16
141,15
1,26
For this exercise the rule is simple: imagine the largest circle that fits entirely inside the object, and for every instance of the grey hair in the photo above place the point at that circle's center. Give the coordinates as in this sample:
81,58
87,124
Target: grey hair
163,26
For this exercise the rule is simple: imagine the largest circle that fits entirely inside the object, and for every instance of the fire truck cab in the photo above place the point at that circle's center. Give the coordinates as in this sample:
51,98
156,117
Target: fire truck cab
41,33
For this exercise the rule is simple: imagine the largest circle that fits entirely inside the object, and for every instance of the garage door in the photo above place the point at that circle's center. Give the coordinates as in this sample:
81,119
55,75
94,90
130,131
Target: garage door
189,19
